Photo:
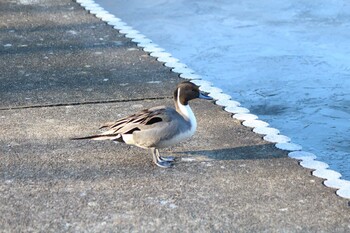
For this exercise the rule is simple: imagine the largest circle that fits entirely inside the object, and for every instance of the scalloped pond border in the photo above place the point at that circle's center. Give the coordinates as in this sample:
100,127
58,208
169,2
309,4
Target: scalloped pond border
307,160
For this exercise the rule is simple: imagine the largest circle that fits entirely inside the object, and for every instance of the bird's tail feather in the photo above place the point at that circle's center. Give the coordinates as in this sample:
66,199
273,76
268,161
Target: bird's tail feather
101,137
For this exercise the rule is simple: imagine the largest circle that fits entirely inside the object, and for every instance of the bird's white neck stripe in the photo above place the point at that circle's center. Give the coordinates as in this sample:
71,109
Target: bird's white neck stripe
186,111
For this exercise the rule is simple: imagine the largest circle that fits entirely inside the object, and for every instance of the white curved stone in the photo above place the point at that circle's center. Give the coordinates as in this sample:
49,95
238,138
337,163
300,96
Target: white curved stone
127,30
105,15
266,130
144,44
95,10
137,36
236,110
302,155
182,70
113,21
245,116
213,93
276,138
175,65
89,5
167,59
255,123
92,5
190,75
344,192
213,89
132,32
117,24
160,54
227,102
140,40
313,164
152,48
109,17
219,96
203,84
92,8
101,13
122,26
85,2
172,64
222,96
288,146
326,174
337,183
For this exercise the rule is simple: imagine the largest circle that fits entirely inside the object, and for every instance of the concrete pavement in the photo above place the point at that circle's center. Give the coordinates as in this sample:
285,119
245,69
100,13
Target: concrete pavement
63,73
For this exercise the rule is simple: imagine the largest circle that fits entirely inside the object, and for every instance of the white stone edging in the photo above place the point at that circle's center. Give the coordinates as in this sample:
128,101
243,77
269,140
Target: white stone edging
307,160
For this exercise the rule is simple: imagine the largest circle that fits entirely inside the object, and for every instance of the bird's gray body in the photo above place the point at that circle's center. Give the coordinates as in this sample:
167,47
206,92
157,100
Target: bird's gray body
156,127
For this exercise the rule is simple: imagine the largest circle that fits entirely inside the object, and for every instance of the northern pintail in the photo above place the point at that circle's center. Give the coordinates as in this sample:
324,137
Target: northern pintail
157,127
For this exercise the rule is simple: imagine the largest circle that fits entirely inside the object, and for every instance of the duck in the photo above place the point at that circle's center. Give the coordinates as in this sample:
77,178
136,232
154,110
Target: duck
157,127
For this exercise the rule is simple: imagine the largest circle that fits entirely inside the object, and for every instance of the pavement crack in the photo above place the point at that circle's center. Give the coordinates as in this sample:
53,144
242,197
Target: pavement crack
83,103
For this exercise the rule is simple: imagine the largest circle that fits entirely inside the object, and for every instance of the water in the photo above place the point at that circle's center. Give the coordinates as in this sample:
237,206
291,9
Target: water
287,61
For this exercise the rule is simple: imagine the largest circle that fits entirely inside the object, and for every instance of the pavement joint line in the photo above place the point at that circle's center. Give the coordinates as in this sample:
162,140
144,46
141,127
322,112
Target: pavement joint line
84,103
282,142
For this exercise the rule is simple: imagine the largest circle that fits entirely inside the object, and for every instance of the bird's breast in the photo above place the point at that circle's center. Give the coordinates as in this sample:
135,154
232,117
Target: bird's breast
177,138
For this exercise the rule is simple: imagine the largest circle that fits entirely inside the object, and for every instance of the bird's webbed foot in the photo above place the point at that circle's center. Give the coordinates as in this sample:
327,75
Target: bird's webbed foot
160,161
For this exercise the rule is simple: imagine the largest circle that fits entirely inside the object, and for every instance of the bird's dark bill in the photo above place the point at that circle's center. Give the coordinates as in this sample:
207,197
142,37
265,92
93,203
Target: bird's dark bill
204,96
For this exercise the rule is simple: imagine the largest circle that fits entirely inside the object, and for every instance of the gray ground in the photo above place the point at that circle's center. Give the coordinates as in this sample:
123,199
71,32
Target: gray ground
55,62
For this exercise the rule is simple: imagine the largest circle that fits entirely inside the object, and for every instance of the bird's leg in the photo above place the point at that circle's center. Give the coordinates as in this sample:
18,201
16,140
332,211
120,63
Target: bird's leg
167,159
157,161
